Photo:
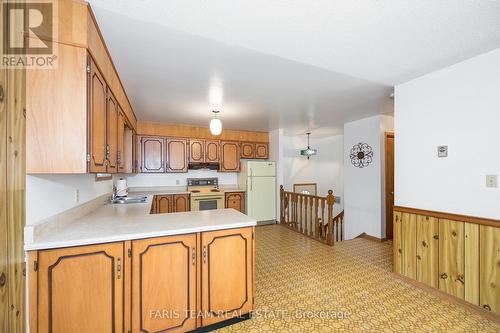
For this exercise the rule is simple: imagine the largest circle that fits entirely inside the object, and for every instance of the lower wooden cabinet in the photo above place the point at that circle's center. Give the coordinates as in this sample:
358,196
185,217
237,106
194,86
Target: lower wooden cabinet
164,284
235,200
79,289
226,274
170,203
460,258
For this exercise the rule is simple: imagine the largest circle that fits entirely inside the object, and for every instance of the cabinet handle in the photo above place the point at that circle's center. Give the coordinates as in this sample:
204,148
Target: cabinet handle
487,307
119,268
444,276
204,254
461,278
3,280
193,255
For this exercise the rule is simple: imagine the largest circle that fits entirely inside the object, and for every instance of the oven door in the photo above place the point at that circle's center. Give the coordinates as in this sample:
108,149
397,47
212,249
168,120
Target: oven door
206,202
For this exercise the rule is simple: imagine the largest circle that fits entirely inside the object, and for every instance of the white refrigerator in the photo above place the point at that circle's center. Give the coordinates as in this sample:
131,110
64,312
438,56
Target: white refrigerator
258,178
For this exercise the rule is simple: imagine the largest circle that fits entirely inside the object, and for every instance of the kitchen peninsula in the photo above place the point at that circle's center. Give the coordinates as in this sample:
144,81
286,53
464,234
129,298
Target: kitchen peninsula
120,268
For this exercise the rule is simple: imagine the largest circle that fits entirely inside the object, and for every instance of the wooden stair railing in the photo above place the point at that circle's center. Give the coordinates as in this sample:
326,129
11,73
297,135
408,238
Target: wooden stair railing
311,215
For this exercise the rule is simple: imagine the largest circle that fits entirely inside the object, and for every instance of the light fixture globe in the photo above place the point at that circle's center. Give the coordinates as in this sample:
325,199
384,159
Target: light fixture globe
215,124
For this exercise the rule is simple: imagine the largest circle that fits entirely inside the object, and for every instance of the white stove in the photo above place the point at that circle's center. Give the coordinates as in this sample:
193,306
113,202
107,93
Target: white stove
205,193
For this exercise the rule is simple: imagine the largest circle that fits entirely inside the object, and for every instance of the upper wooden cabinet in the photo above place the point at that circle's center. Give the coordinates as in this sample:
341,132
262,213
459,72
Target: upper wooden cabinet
230,156
80,289
71,133
151,151
262,150
177,155
247,150
226,274
203,151
164,281
122,154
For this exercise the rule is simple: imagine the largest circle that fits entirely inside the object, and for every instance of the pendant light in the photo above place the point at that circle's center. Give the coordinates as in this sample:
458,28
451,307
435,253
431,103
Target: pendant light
308,152
215,124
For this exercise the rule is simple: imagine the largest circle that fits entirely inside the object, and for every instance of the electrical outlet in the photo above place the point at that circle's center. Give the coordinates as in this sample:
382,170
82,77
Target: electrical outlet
77,195
492,181
177,182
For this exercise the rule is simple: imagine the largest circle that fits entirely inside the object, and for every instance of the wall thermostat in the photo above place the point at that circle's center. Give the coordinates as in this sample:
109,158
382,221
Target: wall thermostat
442,151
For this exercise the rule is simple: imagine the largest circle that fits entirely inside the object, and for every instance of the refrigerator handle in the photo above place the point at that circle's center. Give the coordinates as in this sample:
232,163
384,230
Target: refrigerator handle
251,172
251,184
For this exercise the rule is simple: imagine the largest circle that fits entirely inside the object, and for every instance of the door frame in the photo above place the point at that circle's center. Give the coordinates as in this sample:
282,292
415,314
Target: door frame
389,214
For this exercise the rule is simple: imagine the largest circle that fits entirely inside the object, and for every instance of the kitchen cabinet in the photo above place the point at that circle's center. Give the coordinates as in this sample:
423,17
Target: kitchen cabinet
427,250
164,282
226,274
236,200
230,156
490,268
203,151
151,154
212,151
112,138
262,150
451,257
177,155
121,138
247,150
80,289
170,203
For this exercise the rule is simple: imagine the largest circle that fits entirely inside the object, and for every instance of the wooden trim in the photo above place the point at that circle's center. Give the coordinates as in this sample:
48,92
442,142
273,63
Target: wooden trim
33,292
185,131
449,216
443,295
372,238
127,286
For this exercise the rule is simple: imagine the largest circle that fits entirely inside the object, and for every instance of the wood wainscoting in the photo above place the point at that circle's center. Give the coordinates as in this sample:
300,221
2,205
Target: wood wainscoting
457,254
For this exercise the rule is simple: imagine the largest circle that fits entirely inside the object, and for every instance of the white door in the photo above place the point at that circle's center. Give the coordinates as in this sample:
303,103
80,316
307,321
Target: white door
262,198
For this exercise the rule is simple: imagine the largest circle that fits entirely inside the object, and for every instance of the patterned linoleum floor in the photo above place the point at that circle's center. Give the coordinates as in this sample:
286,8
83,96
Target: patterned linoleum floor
305,286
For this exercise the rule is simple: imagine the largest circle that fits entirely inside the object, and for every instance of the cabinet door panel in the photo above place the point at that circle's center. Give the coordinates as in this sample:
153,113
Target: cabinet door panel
398,245
164,204
97,123
247,150
236,200
230,155
451,257
262,150
152,154
164,284
122,158
409,245
227,275
113,112
212,151
181,203
489,250
80,289
427,250
177,155
196,151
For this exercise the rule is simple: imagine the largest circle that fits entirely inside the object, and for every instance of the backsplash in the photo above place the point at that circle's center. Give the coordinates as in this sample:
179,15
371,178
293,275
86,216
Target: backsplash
177,179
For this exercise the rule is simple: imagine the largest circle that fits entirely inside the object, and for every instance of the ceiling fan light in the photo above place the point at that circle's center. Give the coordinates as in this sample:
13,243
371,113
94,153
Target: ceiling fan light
215,126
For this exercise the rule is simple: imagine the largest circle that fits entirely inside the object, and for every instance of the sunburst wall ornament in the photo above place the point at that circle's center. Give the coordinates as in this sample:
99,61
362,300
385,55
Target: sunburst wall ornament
361,155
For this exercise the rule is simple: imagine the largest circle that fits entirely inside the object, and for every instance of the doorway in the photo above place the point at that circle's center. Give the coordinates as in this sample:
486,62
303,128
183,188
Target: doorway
389,183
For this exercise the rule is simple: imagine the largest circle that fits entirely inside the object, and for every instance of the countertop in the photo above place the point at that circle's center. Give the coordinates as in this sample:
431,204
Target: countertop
112,223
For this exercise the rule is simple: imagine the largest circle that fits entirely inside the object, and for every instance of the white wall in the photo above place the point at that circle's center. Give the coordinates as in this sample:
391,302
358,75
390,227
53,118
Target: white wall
324,169
363,187
178,179
276,154
458,106
48,195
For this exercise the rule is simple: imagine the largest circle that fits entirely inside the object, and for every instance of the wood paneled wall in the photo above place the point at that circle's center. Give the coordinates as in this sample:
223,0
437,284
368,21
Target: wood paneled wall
12,193
173,130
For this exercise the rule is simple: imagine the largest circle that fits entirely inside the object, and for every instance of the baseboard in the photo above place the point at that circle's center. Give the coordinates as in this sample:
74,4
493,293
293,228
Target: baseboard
372,238
441,294
222,324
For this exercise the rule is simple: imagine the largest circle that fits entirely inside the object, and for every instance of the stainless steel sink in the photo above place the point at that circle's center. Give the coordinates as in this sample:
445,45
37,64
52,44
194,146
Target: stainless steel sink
128,200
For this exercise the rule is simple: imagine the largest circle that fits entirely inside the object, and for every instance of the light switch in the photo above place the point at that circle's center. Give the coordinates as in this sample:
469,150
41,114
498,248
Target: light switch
442,151
492,181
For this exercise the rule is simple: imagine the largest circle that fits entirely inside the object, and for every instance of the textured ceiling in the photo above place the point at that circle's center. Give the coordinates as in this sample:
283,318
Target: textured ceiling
292,64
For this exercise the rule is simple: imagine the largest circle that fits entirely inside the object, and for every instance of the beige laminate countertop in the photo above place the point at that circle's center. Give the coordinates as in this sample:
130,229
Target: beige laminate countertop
119,222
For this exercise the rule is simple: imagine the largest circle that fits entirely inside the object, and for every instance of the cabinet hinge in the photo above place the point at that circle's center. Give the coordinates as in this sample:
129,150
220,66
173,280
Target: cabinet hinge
129,253
88,157
119,268
88,68
35,265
